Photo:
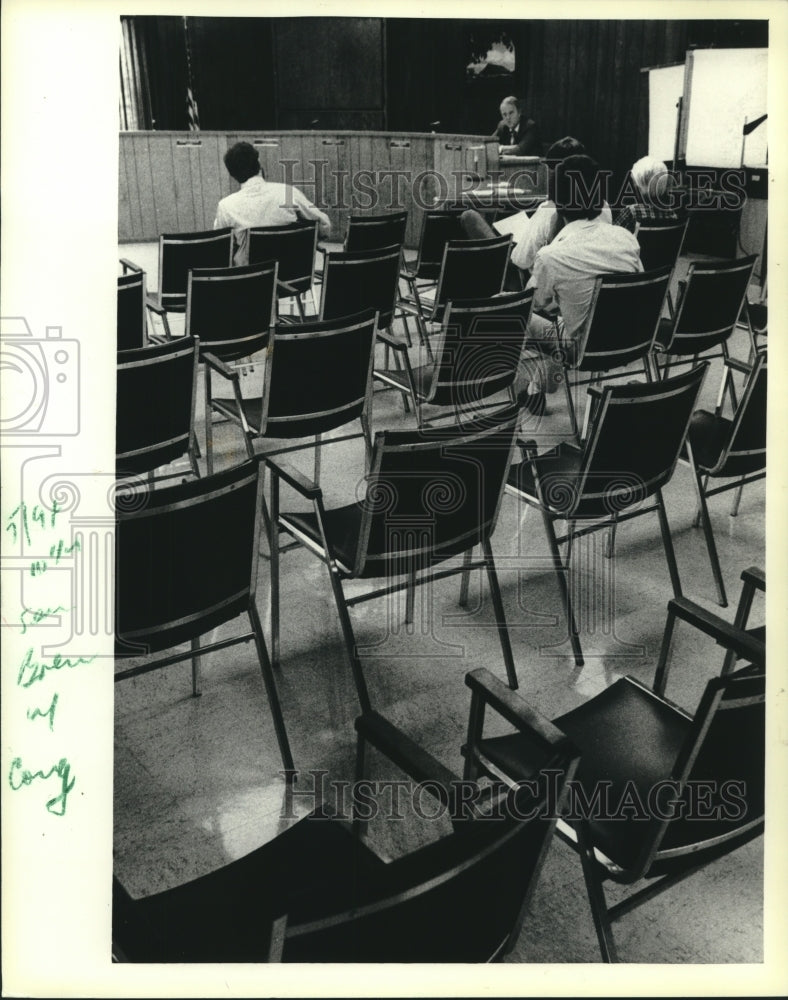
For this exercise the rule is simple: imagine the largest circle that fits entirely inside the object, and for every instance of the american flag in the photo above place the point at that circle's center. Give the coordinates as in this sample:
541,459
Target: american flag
192,111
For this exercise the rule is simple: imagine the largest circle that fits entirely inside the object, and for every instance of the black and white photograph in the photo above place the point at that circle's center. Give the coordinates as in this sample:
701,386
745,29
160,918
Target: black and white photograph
418,621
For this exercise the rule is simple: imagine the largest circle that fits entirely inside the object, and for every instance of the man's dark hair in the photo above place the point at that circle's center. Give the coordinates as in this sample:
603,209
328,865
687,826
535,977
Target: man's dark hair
568,146
242,161
578,188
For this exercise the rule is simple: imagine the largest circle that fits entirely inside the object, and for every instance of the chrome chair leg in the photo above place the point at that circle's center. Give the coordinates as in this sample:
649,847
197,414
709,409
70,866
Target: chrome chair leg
196,672
500,617
208,422
562,572
273,695
711,545
667,544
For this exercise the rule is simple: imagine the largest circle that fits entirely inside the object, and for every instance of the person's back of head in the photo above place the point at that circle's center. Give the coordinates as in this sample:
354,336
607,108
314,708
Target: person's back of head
242,161
568,146
578,188
652,178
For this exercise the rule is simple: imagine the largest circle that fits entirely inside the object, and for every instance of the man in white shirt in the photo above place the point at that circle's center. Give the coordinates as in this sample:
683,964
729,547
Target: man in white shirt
565,270
260,202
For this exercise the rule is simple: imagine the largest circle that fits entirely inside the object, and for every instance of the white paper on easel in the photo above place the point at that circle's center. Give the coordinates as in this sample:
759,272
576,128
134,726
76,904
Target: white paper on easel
665,87
727,88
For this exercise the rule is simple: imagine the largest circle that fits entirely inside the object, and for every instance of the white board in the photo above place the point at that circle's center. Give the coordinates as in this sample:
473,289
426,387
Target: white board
724,88
665,87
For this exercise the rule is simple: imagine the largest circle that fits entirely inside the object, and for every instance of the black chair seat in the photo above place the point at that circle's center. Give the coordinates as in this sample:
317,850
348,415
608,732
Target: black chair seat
708,435
341,526
315,868
624,735
557,469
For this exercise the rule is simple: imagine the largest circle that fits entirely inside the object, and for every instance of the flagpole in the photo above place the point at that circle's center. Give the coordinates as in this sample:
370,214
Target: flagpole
191,104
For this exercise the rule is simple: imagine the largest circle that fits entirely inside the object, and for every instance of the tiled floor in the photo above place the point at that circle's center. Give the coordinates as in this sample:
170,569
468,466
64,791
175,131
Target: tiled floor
196,779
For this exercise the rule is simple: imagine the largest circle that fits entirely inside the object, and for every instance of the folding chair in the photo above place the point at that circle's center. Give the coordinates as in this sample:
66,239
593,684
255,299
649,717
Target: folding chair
660,242
476,359
470,269
232,311
629,455
178,254
731,449
155,400
132,318
619,330
709,305
430,495
186,565
317,379
318,893
375,232
293,247
632,813
740,642
354,282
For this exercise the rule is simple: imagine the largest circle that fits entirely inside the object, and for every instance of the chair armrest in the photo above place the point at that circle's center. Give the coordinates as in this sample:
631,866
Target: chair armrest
727,635
414,760
755,577
395,342
129,265
220,366
306,487
154,306
288,287
512,707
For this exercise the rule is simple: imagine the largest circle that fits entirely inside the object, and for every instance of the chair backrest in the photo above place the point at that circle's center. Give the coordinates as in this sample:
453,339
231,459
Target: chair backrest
355,282
472,269
185,557
293,247
231,309
745,449
460,899
374,232
318,376
623,319
156,393
433,493
710,306
660,242
724,757
438,226
131,310
479,349
633,444
180,252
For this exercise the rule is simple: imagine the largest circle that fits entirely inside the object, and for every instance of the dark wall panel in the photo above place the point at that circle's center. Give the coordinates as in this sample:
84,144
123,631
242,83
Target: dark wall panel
329,63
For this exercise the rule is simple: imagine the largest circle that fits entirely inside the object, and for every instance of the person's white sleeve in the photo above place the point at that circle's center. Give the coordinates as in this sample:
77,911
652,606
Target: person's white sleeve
542,280
307,210
221,221
538,235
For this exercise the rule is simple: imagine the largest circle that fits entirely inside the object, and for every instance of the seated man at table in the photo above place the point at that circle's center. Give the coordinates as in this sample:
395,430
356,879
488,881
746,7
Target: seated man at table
564,274
517,135
260,202
653,184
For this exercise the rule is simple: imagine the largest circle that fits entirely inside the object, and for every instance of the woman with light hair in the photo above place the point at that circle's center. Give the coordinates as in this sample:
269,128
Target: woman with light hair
653,186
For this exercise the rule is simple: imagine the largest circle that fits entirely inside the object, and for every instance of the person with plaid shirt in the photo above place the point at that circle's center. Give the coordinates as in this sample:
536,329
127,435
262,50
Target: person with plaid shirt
653,183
